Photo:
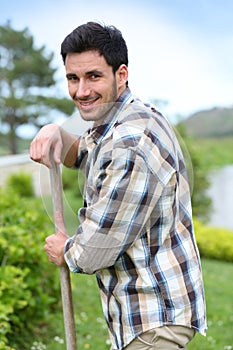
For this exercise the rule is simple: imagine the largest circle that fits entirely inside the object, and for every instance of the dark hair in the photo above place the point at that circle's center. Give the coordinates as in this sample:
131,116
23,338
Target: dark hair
107,40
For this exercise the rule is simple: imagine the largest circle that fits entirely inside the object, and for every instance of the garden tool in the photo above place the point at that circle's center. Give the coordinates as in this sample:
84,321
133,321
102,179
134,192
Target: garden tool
66,292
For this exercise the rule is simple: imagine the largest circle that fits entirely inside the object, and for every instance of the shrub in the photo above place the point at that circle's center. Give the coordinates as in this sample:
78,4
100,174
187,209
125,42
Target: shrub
214,243
74,180
21,184
29,285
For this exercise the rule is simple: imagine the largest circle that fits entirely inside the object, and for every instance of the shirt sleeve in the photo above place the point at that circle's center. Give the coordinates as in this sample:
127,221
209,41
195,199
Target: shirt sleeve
123,196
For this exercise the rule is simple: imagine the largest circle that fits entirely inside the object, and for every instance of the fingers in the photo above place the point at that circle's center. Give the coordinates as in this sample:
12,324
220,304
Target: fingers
55,243
49,250
47,139
54,248
40,152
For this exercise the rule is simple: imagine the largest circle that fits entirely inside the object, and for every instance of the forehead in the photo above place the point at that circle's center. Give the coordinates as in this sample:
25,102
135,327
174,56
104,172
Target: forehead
85,61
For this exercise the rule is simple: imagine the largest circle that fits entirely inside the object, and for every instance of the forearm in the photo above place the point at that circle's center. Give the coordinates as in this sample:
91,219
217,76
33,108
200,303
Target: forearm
89,257
70,148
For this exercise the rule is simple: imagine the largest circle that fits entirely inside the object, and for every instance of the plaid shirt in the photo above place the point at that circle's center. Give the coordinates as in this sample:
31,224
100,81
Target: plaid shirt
136,229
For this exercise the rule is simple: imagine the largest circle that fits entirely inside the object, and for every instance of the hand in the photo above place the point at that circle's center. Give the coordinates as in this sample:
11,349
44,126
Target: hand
55,243
49,137
55,248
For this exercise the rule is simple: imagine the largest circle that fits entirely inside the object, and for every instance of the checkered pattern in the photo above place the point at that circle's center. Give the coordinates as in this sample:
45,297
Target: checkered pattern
136,230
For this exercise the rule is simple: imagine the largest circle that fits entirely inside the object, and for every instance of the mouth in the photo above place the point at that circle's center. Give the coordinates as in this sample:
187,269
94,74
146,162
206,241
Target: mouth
87,104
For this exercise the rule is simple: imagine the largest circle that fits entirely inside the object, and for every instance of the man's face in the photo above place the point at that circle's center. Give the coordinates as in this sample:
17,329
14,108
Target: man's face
92,84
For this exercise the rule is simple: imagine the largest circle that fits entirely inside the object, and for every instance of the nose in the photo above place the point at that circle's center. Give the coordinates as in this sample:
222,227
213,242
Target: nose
83,89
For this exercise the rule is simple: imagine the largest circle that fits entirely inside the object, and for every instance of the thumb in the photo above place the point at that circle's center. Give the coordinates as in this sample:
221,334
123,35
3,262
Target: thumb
59,222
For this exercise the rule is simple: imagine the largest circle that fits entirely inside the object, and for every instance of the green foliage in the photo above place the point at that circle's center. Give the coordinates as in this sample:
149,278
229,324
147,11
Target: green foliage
21,184
29,285
215,152
13,299
26,63
201,202
74,180
198,177
26,78
214,243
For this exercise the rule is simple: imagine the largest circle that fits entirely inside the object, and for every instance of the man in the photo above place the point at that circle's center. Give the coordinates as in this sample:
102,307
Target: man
136,232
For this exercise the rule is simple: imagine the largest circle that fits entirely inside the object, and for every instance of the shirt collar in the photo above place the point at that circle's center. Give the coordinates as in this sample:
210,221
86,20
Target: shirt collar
97,133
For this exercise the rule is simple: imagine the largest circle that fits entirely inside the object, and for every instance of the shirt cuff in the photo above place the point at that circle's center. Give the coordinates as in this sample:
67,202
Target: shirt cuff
73,267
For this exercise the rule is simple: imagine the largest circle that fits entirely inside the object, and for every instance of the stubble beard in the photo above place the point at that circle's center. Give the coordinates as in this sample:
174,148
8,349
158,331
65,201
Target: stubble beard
99,112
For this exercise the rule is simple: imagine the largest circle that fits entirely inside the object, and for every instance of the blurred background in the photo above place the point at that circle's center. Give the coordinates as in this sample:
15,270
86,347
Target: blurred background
180,59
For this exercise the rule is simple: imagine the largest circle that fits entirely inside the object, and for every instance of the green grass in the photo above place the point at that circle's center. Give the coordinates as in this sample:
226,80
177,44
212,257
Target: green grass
218,288
91,330
215,152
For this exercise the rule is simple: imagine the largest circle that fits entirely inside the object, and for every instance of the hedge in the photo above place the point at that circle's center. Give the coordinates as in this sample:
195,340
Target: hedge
214,242
29,284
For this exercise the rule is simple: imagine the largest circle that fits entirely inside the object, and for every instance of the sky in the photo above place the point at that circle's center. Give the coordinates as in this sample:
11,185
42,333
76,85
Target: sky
180,51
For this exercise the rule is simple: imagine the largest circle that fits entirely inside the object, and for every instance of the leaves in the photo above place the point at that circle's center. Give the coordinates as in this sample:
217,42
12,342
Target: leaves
26,78
198,177
214,242
23,65
29,284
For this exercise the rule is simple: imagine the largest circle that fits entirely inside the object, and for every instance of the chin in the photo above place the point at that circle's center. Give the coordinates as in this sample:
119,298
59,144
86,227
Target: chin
92,115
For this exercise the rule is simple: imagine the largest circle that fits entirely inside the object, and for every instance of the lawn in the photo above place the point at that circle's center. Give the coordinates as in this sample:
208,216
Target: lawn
218,288
214,152
92,332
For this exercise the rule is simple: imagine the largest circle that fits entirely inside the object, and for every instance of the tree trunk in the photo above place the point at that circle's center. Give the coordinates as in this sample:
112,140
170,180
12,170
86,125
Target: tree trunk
12,136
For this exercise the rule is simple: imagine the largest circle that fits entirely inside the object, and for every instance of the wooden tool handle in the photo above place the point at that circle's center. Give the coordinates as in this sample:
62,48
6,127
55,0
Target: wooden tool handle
66,292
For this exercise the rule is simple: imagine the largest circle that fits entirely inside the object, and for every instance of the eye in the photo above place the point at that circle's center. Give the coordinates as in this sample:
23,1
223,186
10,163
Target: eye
72,77
94,76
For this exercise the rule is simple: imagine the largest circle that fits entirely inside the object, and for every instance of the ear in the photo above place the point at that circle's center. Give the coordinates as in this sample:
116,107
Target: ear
122,75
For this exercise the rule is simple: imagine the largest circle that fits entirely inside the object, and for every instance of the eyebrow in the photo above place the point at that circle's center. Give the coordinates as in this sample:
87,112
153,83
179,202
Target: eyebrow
94,71
88,73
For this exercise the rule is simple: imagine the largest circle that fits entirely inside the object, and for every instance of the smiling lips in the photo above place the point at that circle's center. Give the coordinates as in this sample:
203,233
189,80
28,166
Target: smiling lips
85,104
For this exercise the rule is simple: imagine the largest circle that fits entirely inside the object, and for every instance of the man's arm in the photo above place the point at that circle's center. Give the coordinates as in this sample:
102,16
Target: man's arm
70,148
124,193
65,148
63,144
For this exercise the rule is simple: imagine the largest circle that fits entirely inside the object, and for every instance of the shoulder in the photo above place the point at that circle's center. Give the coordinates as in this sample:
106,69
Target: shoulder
138,120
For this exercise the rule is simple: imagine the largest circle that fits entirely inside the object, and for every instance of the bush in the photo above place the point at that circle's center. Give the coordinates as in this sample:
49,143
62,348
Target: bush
214,243
73,179
21,184
197,174
29,285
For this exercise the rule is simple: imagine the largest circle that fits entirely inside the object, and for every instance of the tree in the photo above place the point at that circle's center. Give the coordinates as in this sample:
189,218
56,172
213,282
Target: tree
198,177
26,79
